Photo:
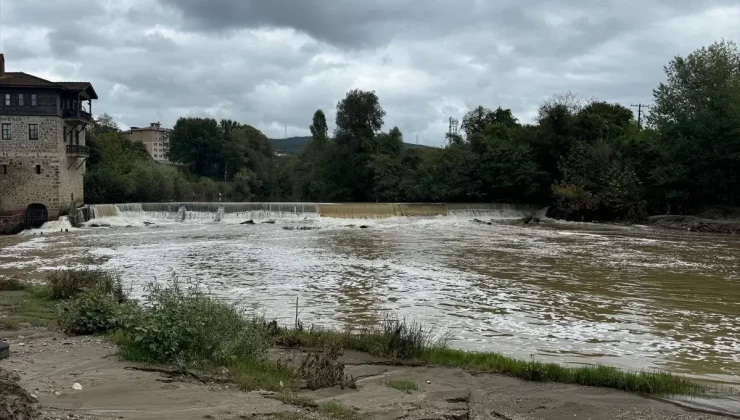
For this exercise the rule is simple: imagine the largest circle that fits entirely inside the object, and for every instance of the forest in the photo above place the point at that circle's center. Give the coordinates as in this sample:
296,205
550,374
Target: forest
586,159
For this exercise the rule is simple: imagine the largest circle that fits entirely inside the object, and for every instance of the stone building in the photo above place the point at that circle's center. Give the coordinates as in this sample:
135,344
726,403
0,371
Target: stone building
155,138
42,145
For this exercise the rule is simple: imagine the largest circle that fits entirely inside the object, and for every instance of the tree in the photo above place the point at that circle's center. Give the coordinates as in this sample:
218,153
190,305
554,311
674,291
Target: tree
359,116
475,121
198,143
697,118
319,130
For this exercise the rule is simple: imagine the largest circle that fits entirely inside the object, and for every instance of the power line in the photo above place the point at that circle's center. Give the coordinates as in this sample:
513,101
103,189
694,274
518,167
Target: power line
639,113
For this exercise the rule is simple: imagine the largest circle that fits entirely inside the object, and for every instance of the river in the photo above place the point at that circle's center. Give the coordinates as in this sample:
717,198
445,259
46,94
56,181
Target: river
628,296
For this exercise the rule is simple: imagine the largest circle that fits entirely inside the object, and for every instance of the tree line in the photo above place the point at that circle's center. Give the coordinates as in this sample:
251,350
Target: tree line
587,159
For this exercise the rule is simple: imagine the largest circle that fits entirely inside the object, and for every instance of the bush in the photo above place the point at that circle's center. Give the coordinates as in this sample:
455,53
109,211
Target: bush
65,284
182,325
91,311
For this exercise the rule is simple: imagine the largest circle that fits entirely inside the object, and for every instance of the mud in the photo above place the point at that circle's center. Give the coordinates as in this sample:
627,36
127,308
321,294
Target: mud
49,364
15,402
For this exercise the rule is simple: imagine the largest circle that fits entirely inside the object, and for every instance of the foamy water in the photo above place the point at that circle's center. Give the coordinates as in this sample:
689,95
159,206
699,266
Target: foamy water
631,297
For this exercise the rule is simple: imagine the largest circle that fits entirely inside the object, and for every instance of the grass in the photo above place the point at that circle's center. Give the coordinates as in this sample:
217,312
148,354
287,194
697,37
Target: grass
27,308
65,284
411,343
331,410
656,383
391,338
403,385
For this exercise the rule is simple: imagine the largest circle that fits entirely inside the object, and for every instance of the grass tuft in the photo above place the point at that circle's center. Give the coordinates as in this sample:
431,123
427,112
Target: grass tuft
66,284
403,385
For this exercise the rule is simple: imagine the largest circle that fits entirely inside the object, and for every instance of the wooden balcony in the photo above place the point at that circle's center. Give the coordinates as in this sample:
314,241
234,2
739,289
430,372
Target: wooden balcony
77,150
77,114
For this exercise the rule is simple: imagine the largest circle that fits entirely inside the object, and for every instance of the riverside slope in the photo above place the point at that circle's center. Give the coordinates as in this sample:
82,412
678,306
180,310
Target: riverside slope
50,363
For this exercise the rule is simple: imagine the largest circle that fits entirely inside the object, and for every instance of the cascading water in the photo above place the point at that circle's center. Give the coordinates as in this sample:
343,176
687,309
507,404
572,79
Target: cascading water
155,213
181,214
495,210
219,214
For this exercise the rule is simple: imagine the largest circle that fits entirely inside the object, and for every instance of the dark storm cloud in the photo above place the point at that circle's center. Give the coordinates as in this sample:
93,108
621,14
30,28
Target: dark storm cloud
273,63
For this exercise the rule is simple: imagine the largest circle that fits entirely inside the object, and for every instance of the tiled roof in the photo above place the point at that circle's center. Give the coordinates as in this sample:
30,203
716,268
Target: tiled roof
24,79
20,79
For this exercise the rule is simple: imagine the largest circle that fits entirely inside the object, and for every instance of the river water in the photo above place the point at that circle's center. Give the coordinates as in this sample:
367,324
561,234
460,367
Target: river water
632,297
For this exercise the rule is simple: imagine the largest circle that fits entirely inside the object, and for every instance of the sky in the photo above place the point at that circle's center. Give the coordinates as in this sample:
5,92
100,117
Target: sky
271,64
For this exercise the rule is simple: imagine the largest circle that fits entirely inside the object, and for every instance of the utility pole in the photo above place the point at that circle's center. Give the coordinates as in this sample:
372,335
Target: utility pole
639,113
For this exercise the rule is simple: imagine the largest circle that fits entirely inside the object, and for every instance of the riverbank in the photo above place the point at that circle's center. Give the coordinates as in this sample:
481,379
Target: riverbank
400,367
695,224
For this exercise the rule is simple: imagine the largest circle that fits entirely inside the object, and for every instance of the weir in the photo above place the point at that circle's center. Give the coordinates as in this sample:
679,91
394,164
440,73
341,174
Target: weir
220,212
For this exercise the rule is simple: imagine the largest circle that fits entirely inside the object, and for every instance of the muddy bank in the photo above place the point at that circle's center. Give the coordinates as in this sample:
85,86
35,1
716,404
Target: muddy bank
695,224
50,364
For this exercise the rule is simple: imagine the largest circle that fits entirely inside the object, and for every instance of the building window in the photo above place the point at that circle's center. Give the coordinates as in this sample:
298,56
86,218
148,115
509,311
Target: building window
33,131
6,132
38,169
20,99
33,99
7,99
5,169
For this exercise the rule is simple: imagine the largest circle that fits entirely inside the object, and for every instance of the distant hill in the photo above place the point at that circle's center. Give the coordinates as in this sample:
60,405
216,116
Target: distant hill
295,145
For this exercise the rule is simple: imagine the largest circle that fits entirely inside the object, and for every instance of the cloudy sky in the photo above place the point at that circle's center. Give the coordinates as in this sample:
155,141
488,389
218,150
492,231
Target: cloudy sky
271,63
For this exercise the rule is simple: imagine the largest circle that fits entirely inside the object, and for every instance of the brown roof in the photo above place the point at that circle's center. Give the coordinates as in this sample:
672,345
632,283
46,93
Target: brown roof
20,79
24,79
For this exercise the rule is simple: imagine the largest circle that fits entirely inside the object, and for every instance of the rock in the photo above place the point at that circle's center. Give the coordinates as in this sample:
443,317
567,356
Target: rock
248,222
364,226
269,222
76,386
4,350
149,223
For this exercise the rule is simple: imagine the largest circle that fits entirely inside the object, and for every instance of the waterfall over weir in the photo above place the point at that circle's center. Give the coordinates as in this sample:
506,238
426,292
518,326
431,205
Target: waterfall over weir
225,212
216,212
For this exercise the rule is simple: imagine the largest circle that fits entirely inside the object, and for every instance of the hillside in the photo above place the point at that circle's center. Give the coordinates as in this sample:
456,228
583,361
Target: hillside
294,145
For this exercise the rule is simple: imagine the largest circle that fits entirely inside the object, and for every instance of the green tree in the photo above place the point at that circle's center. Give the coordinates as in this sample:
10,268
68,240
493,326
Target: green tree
697,118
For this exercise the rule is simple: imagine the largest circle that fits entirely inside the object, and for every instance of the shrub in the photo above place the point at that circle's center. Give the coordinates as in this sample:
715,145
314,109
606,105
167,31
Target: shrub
65,284
90,312
182,325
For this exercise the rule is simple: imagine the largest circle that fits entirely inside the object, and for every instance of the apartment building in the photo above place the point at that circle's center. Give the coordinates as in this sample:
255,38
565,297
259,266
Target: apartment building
155,138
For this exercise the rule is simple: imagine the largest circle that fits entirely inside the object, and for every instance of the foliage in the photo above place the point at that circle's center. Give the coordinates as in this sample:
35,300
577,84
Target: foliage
66,284
180,324
91,311
586,159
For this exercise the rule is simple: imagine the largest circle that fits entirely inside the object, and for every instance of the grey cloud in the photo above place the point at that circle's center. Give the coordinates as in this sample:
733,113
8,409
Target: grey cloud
271,63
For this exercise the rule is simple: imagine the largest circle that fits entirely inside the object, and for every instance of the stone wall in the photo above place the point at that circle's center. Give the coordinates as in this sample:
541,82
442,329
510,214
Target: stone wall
22,185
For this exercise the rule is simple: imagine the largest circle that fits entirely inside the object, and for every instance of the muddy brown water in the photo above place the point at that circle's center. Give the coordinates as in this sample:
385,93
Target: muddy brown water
634,297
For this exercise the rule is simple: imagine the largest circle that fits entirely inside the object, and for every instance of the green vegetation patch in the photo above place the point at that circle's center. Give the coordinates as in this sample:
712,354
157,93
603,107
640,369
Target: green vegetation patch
27,308
657,383
403,385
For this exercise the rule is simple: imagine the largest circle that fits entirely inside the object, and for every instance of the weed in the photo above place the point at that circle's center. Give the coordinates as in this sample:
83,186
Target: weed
399,340
337,411
12,284
403,385
91,312
65,284
181,325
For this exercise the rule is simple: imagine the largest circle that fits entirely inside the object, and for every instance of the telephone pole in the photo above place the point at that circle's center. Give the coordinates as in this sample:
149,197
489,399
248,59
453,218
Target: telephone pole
639,113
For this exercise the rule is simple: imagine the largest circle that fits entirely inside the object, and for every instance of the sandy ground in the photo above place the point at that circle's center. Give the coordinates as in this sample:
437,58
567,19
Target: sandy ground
49,364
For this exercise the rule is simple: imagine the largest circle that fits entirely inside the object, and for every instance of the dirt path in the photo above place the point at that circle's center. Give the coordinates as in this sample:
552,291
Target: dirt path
49,365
